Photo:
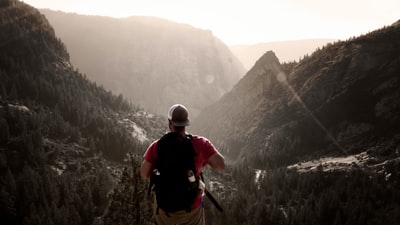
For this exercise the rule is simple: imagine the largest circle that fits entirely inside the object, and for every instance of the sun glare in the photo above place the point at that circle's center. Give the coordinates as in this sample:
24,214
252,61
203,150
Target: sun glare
252,21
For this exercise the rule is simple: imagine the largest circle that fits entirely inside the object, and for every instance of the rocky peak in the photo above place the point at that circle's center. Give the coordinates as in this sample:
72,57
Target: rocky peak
260,80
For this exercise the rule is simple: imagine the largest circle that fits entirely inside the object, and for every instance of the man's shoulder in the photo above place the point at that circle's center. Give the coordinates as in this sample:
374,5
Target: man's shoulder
200,141
153,144
199,138
203,146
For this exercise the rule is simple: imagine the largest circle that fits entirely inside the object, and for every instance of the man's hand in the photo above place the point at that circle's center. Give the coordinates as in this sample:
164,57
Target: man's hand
202,186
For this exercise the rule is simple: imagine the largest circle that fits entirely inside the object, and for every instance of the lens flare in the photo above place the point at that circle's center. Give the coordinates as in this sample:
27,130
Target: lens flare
282,78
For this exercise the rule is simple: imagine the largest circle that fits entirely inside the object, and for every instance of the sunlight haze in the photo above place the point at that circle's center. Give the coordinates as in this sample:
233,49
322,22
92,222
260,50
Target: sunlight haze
251,21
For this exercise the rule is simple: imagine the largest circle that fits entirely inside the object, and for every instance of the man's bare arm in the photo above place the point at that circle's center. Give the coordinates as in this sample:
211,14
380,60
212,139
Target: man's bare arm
146,169
217,161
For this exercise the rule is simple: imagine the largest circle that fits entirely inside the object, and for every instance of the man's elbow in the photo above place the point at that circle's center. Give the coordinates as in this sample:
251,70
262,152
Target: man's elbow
220,165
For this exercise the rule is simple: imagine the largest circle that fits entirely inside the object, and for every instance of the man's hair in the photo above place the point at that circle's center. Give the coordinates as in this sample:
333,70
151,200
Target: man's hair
177,128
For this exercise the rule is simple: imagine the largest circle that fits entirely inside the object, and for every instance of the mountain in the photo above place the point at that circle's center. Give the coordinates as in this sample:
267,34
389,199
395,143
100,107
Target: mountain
63,139
286,51
342,99
152,62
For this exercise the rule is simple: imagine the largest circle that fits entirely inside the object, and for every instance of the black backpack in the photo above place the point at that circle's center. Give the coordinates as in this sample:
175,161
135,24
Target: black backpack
174,177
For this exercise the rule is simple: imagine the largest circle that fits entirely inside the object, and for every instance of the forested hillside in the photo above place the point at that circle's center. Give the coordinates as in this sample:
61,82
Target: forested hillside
63,139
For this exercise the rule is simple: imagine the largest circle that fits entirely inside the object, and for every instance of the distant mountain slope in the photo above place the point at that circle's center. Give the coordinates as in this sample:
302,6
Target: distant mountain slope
286,51
343,99
151,61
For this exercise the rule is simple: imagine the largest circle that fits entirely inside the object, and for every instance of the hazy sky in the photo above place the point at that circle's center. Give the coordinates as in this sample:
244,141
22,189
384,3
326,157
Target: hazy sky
250,21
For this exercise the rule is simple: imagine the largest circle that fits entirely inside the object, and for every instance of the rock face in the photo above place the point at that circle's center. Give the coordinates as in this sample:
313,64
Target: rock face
151,61
344,98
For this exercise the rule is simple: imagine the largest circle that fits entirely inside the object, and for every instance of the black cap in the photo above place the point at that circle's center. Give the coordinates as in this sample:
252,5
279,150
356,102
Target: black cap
178,115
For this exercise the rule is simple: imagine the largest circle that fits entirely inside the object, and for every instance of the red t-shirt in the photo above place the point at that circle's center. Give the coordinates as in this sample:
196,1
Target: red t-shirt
204,150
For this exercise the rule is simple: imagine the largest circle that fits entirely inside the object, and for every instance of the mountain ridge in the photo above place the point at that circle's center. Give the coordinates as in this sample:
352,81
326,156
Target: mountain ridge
286,51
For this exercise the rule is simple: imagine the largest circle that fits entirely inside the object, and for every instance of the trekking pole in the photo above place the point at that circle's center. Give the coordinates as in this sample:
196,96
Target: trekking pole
209,196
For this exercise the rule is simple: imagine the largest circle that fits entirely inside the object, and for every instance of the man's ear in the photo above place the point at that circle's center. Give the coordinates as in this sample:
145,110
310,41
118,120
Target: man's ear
170,125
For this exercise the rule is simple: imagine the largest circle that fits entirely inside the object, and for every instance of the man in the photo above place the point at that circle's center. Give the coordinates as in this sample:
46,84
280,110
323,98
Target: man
205,153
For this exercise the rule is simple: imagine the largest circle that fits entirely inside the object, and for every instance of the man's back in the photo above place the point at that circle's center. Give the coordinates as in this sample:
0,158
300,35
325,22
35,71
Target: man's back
205,153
